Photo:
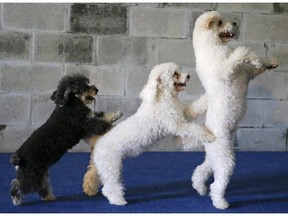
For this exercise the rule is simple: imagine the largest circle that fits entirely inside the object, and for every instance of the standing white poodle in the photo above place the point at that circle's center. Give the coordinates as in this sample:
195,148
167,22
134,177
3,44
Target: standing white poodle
160,114
225,74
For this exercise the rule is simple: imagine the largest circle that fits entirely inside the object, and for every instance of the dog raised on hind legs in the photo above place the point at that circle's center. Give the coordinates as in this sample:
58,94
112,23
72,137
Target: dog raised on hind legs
225,74
71,121
161,113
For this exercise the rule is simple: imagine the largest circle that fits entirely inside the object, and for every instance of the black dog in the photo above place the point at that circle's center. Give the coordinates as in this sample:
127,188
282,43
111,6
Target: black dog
70,122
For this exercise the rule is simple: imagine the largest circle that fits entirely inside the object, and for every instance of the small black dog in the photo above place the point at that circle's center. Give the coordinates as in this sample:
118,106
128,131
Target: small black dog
70,122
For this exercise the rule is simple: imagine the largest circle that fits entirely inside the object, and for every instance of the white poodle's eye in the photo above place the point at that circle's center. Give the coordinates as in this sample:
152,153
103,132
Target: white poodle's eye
220,23
176,74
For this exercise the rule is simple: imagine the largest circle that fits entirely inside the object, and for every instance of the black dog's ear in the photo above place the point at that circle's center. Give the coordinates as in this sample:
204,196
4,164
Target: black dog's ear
53,96
61,98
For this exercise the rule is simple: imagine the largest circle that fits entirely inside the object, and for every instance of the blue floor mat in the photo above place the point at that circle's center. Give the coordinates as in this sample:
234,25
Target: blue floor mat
159,182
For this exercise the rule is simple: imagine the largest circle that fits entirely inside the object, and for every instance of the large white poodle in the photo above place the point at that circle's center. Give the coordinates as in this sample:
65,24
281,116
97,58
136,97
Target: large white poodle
160,114
225,73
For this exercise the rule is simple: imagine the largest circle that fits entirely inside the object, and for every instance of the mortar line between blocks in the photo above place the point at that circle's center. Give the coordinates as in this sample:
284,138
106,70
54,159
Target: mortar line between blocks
33,48
2,15
30,109
94,50
67,19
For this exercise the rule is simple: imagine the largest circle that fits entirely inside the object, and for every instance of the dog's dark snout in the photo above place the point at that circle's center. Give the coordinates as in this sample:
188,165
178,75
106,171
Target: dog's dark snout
94,89
188,77
234,24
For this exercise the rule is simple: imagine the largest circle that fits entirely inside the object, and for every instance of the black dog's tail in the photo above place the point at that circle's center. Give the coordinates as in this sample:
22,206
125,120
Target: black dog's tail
16,160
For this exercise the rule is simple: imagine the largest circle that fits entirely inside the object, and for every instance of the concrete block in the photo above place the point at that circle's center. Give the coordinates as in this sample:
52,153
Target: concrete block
136,78
29,78
15,109
150,5
0,16
246,7
108,79
262,139
178,51
35,16
280,7
63,48
276,113
42,108
254,114
128,106
265,27
270,85
14,137
260,48
153,22
192,6
125,51
15,46
98,18
279,51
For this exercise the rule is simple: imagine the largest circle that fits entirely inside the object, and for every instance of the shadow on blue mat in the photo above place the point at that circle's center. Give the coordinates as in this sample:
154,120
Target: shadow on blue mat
159,182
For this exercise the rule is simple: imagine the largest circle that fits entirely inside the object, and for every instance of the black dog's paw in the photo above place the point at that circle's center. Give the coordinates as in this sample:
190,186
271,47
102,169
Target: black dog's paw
117,116
16,195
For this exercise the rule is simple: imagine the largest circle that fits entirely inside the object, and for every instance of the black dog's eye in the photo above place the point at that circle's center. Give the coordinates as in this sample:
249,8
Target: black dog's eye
220,23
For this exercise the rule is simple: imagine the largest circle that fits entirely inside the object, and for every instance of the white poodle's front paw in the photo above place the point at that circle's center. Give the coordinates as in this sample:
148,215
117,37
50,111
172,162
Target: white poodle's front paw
271,64
117,116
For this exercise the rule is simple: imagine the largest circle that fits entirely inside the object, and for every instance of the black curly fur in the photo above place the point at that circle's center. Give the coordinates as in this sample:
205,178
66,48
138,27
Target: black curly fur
70,122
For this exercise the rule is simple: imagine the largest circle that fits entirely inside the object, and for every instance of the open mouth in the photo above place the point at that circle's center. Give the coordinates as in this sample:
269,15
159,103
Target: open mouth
89,98
226,34
180,86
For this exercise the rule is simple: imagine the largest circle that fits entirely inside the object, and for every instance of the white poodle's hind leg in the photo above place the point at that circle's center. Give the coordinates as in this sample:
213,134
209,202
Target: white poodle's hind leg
200,176
222,160
114,192
109,169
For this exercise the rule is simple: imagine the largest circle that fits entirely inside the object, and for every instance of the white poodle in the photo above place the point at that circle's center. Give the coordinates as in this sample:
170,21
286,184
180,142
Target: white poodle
225,73
160,114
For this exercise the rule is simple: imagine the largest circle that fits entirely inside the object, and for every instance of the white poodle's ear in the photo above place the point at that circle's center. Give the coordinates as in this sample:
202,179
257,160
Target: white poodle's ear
150,91
209,23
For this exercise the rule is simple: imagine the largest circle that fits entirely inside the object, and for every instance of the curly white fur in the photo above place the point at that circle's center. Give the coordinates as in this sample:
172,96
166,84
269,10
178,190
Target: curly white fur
160,114
225,74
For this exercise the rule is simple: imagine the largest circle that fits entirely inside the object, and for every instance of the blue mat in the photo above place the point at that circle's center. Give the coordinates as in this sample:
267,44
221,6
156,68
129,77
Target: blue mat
160,183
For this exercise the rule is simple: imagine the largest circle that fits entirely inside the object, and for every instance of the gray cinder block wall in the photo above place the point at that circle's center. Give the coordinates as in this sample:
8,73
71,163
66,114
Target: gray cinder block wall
117,45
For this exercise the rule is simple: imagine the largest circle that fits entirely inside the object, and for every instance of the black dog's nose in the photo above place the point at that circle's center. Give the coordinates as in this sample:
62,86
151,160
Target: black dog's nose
234,24
93,88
